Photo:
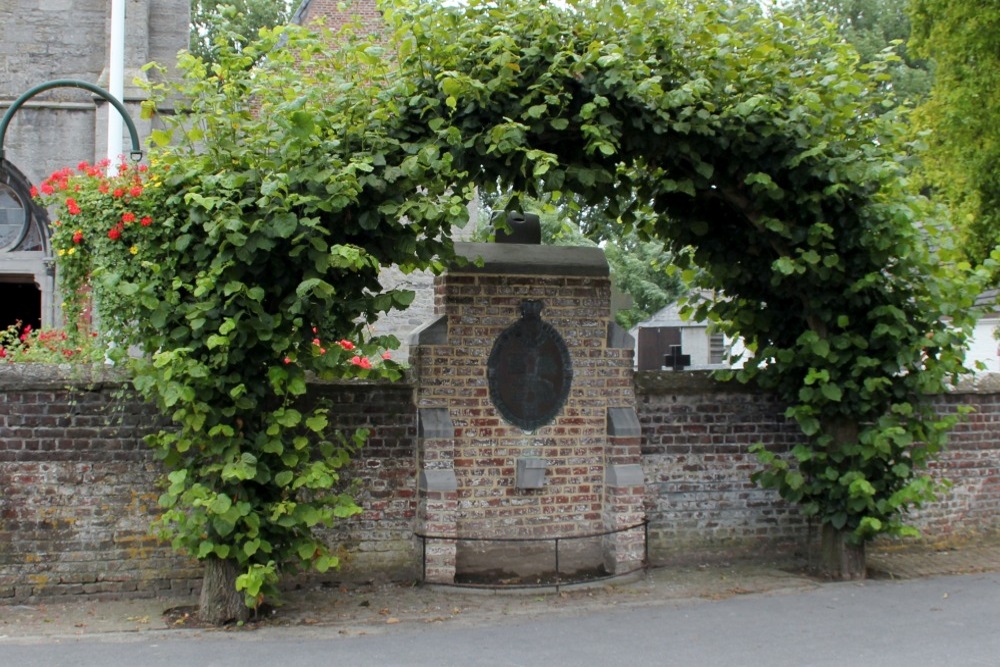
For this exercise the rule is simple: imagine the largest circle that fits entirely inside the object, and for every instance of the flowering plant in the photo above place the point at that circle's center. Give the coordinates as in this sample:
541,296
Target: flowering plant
103,228
22,342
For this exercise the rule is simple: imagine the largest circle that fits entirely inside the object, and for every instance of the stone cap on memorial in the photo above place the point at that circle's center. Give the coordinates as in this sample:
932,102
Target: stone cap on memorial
526,259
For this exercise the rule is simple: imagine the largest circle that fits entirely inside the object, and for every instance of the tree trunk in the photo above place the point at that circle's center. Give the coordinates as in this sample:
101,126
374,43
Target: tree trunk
220,602
838,559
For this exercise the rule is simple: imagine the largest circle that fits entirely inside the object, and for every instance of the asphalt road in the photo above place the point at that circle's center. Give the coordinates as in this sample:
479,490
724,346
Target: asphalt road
950,621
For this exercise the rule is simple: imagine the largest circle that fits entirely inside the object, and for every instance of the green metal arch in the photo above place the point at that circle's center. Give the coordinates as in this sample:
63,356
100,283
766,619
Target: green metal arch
71,83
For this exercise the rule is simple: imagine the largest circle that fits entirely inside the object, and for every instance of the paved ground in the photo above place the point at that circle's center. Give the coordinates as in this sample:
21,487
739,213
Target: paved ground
374,609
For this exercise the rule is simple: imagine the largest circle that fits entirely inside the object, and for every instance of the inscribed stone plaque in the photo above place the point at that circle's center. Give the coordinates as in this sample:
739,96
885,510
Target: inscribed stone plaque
529,370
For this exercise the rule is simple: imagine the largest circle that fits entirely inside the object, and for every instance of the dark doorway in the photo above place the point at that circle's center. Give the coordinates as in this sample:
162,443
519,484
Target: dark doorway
654,344
20,302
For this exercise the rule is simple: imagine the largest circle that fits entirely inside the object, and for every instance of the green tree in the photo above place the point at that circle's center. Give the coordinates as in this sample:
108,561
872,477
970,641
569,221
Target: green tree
236,22
961,120
871,27
283,183
748,136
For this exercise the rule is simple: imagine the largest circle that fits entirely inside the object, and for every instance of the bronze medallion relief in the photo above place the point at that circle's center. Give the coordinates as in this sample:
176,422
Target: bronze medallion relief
529,370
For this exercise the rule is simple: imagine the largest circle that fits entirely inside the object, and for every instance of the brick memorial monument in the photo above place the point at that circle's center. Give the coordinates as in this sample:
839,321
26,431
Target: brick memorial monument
528,440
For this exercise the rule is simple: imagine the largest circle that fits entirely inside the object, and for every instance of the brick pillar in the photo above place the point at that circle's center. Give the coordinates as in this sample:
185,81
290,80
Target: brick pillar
436,517
624,491
437,507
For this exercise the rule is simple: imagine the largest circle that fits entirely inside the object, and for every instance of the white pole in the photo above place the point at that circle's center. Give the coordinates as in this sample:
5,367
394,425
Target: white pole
116,83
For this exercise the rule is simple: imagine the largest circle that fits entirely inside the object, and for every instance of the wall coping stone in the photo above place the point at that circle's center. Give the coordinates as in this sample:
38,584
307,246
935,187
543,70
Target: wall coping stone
533,260
658,383
36,376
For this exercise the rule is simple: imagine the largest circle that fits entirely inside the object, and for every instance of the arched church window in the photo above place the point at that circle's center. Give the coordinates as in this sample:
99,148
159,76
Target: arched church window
27,281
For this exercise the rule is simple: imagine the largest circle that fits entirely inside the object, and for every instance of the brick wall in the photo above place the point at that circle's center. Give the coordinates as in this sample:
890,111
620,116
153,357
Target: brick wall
972,464
78,488
696,436
338,13
78,485
77,491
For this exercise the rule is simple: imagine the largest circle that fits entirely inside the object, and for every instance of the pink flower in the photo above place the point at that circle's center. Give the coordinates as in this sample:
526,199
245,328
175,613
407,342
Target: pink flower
316,342
347,345
386,355
361,362
288,360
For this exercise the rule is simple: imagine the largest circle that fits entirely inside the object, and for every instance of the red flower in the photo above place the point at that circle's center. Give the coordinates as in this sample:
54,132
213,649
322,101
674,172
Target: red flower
114,233
143,168
77,236
135,191
128,217
103,188
72,206
82,166
362,362
34,191
288,360
118,192
146,221
47,189
3,353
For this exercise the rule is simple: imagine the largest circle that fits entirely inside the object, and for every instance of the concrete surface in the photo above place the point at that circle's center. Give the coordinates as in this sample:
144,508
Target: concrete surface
354,610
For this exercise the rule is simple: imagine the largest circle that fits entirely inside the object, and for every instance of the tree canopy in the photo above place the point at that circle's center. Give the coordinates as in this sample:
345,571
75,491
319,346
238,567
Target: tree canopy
293,171
746,134
872,27
961,120
236,22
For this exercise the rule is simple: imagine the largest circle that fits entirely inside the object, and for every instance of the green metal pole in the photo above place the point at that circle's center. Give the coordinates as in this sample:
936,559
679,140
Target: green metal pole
71,83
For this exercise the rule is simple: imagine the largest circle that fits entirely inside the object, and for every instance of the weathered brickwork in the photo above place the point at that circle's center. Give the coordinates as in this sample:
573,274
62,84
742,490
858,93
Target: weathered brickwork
378,542
78,485
697,466
972,464
78,488
475,306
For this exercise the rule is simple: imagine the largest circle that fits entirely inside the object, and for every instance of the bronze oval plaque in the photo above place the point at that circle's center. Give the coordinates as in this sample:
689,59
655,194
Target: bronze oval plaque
529,370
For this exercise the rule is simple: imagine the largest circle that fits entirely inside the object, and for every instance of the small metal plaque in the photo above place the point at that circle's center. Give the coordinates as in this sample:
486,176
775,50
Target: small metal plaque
529,370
